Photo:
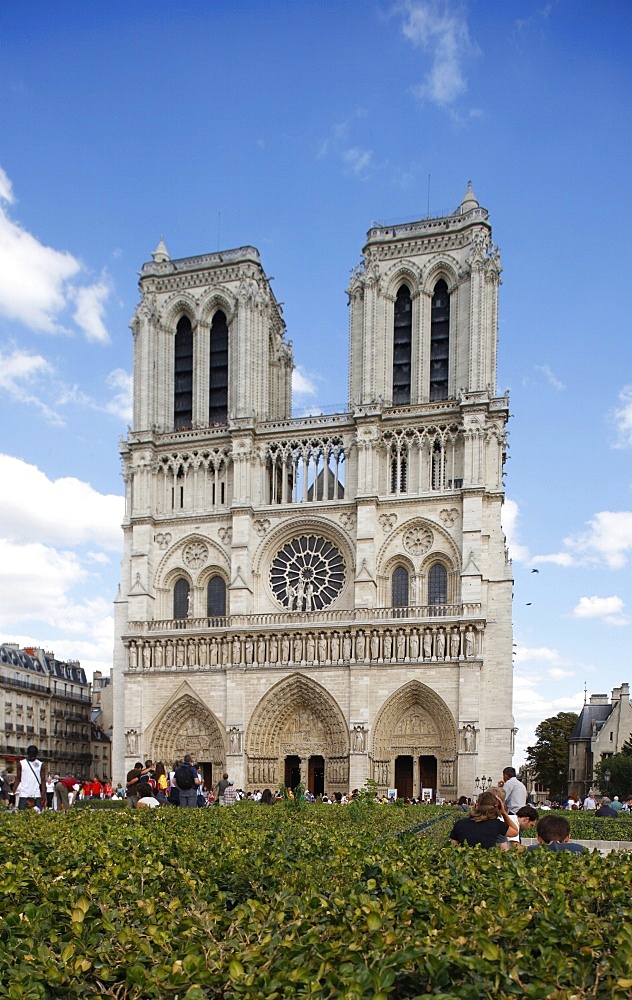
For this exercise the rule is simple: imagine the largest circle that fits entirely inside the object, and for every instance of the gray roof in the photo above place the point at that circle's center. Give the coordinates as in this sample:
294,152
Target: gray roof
583,728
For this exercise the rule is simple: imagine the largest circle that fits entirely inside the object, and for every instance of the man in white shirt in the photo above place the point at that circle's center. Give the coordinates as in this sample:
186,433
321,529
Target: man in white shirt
515,791
30,780
589,802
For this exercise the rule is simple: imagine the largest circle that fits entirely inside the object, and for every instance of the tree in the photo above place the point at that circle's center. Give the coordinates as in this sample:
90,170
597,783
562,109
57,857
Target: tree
549,756
620,767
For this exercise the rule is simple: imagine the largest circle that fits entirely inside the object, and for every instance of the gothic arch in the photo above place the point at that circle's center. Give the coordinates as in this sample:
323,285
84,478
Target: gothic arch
404,273
297,717
414,721
217,298
177,306
173,562
445,267
442,546
186,725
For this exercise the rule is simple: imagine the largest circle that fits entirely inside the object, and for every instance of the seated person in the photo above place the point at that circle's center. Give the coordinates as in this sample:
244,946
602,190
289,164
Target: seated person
146,797
488,820
554,834
605,809
524,818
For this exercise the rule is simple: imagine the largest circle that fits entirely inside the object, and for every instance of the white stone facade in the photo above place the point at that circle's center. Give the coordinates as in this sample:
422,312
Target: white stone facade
326,597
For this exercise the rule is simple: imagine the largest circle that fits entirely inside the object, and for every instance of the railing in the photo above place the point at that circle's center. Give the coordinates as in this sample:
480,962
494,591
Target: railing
204,260
360,616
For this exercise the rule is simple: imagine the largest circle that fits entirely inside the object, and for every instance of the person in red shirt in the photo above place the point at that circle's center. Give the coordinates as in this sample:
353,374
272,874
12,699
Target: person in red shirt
108,790
97,788
62,787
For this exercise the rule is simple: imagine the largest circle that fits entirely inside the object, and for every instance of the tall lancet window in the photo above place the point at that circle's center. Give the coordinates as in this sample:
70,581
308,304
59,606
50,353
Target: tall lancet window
402,340
218,375
439,341
183,374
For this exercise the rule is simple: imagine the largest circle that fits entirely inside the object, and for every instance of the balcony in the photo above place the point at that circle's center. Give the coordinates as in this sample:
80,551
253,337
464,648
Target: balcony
444,613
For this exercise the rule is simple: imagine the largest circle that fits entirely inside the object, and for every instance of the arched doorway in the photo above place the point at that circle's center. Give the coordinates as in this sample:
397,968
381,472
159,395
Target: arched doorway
186,725
414,743
296,723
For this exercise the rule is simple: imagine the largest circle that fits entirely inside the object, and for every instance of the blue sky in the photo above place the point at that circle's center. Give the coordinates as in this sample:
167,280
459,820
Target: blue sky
292,127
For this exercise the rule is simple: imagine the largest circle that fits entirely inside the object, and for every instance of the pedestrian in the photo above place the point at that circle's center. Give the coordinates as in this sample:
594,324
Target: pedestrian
230,794
146,797
187,781
63,788
616,805
589,802
221,787
515,791
525,818
30,780
50,791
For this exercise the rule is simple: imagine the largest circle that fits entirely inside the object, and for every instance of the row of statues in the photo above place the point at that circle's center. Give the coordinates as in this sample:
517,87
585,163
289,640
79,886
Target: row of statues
360,646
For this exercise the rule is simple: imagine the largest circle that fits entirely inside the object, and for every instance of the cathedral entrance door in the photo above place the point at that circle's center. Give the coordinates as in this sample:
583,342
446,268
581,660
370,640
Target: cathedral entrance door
206,768
292,771
428,774
316,775
404,776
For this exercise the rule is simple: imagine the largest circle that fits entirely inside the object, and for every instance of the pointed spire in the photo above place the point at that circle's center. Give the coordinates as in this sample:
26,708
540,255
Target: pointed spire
161,254
470,200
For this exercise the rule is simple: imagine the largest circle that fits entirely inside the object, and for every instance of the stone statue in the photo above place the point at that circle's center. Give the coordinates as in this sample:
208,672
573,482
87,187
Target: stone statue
427,644
311,648
346,646
388,645
401,645
322,648
470,642
360,645
335,648
133,656
468,738
455,642
413,643
440,644
180,654
375,645
274,649
285,649
298,649
158,655
309,595
261,650
236,650
250,647
358,739
169,654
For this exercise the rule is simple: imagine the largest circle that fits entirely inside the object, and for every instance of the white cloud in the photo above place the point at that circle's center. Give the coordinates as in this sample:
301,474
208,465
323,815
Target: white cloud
610,609
358,160
302,383
509,516
543,654
6,188
34,581
550,377
557,558
25,377
441,30
66,511
90,309
37,288
623,418
532,705
121,404
609,539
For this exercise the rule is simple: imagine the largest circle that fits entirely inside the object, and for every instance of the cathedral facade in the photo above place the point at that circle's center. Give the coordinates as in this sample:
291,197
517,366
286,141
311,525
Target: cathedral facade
322,599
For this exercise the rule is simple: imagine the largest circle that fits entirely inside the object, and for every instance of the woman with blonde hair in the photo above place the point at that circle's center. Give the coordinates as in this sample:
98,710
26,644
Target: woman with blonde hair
487,821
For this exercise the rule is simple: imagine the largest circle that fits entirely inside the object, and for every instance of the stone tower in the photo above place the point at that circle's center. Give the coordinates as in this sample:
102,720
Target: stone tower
324,599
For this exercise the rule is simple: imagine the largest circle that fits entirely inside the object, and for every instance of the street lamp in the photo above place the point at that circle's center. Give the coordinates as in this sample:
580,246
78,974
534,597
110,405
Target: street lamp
483,783
606,778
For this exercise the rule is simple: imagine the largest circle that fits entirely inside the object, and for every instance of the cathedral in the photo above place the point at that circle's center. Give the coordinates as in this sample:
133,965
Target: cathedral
321,599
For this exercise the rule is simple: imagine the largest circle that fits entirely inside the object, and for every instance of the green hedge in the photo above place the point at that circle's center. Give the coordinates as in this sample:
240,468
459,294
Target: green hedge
320,902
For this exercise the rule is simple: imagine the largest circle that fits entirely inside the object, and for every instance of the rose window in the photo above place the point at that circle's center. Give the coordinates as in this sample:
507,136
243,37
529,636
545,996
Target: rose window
195,554
418,540
307,574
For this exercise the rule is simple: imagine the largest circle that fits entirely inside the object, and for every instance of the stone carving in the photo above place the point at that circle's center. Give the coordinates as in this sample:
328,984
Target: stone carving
262,525
418,540
427,644
235,739
133,656
440,644
447,773
195,554
162,539
375,645
225,535
347,520
470,643
448,516
131,743
413,644
387,521
455,643
469,738
358,739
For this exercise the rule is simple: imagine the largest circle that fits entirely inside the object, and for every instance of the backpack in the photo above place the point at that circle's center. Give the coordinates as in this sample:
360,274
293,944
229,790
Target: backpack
183,777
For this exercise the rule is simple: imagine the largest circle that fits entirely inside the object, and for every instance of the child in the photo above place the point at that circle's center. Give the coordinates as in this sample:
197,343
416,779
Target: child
554,834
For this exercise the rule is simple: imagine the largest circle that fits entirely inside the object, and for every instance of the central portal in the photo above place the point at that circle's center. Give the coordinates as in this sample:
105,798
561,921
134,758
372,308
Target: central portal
316,775
292,776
